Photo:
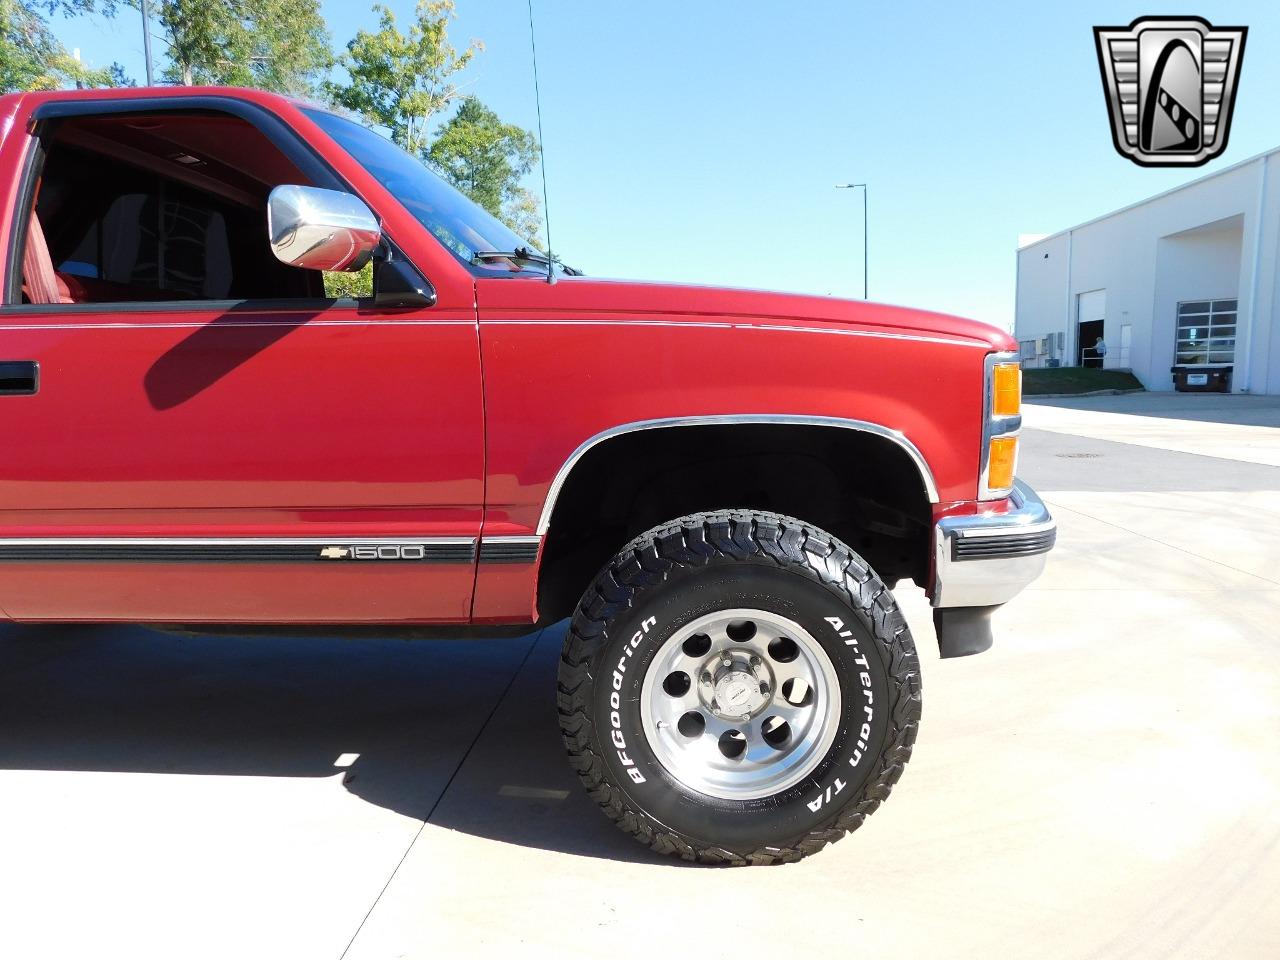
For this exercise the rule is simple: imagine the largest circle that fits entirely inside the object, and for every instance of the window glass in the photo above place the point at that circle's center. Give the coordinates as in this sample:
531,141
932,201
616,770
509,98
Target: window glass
168,240
462,226
1206,332
125,215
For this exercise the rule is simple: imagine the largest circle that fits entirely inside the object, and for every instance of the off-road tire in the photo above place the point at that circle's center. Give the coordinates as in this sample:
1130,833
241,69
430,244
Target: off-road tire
667,576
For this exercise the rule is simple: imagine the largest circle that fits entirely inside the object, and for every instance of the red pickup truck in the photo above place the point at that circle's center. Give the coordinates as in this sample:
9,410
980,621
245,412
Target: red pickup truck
718,487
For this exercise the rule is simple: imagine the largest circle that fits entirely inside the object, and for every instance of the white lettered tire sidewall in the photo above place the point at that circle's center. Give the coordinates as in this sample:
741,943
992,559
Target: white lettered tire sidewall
813,585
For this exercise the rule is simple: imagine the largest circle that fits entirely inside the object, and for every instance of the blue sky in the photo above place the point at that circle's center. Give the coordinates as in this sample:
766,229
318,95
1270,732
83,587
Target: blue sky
700,141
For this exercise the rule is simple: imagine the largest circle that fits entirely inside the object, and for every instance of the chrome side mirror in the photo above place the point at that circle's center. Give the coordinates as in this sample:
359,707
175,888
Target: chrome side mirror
320,229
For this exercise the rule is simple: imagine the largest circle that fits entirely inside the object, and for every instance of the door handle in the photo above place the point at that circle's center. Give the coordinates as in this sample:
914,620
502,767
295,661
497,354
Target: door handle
19,378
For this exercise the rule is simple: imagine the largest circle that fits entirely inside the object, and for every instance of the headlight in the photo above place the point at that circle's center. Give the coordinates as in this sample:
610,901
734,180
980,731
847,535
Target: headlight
1002,420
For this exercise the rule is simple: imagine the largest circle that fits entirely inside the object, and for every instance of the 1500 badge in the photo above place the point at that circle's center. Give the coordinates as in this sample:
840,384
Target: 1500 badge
376,551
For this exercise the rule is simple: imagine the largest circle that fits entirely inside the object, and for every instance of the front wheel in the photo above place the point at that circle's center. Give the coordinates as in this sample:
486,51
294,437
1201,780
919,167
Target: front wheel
738,687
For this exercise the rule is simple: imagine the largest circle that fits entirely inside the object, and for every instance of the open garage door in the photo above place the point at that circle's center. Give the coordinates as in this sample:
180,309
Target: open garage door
1091,310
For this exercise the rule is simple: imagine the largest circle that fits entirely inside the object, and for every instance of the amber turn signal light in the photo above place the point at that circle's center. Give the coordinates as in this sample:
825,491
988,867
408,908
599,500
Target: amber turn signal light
1001,463
1006,390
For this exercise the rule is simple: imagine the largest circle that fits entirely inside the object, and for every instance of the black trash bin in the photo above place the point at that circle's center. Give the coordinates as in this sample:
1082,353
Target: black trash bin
1201,379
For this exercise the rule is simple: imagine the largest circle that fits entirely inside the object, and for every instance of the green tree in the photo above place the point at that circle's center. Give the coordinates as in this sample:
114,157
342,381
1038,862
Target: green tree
523,213
400,81
339,284
206,42
293,51
279,45
487,159
31,58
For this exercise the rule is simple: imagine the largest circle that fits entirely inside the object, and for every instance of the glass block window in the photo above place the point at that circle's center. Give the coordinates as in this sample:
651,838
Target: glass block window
1206,332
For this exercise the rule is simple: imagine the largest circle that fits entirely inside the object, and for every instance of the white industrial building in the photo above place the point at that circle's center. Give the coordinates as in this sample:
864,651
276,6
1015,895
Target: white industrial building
1185,278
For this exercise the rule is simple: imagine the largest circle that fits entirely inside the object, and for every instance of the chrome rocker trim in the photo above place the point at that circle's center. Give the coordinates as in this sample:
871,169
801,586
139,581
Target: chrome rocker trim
984,560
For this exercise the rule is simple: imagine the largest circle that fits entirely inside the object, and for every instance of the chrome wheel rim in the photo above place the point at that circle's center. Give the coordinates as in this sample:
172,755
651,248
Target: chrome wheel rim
740,704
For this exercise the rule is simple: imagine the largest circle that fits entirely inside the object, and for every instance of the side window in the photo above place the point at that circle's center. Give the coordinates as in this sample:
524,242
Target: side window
133,208
148,244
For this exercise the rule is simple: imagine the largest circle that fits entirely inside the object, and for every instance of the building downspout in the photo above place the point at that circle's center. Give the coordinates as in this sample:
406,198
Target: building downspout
1017,296
1242,384
1071,329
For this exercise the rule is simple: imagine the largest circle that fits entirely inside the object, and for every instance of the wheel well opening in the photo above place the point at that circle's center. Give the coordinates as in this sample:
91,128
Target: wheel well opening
861,487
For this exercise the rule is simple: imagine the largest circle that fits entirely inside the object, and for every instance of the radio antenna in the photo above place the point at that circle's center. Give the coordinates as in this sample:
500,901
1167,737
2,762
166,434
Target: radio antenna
542,157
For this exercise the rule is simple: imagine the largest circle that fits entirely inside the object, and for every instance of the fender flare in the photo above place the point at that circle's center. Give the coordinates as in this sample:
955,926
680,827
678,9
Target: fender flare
863,426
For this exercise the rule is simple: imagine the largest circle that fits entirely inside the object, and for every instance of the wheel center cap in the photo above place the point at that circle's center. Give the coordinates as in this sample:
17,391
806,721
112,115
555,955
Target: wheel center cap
738,693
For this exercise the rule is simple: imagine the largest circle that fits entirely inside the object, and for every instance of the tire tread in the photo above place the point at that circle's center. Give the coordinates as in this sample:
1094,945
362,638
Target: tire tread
694,541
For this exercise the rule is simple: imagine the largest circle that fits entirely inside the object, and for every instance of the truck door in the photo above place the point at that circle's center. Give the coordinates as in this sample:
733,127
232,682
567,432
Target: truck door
195,431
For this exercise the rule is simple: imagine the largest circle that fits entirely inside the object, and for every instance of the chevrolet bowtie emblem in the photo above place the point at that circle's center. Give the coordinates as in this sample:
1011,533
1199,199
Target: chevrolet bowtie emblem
335,553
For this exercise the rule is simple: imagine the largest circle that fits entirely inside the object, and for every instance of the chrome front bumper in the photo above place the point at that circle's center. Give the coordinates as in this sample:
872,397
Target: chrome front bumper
984,560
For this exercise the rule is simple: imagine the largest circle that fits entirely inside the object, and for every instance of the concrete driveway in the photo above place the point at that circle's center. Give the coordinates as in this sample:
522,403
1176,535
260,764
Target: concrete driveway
1104,783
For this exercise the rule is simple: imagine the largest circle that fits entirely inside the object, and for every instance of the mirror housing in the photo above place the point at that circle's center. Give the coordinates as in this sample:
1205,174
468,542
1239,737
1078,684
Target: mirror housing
398,283
318,229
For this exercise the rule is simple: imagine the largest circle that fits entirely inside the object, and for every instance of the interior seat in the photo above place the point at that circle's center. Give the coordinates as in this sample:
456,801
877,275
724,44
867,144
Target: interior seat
40,282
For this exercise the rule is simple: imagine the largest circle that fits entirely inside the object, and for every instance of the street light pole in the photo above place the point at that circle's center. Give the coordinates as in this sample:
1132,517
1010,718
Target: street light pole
863,187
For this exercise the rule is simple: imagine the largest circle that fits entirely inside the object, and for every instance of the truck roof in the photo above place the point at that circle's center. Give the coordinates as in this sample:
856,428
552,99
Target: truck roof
262,97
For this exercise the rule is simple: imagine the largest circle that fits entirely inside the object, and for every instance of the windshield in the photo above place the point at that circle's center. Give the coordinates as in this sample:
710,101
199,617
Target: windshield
466,229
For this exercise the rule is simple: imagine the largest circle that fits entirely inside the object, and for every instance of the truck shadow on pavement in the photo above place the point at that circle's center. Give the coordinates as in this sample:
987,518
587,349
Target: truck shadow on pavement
462,733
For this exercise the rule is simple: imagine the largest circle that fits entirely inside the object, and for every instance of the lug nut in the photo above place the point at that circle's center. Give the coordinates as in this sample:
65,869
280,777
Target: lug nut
706,677
755,661
764,689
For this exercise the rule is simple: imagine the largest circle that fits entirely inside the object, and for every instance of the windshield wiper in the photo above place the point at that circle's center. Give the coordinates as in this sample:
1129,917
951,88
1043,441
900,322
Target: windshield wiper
526,255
